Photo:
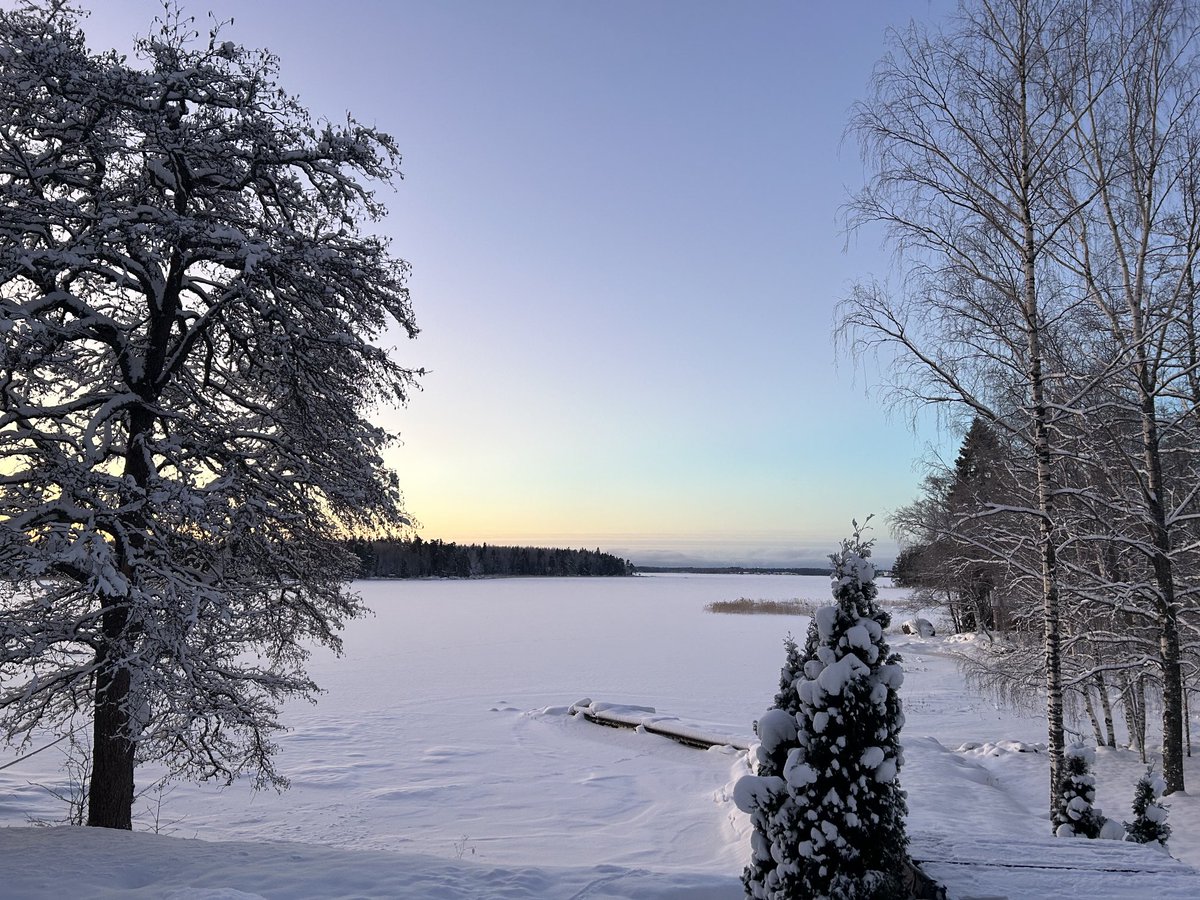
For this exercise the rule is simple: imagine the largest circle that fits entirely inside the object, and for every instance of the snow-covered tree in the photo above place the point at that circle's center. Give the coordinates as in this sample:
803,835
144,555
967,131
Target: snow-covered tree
1077,815
1149,825
836,816
764,797
786,697
776,732
189,308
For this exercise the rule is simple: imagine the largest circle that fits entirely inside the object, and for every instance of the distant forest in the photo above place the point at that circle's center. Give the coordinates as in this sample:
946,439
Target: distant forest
419,558
734,570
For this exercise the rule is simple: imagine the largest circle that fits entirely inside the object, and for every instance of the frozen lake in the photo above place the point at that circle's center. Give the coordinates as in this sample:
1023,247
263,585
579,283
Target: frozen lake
424,738
542,641
443,733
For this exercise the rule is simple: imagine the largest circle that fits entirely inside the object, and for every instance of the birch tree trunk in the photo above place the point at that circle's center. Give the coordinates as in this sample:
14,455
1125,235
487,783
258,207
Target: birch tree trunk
1051,636
1106,706
1095,719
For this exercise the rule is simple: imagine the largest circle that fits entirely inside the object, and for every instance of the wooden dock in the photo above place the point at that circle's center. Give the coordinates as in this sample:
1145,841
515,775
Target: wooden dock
646,720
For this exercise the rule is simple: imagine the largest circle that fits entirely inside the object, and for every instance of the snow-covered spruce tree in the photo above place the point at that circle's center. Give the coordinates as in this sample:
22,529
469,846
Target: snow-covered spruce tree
764,796
786,697
1077,815
764,793
188,309
1149,825
839,831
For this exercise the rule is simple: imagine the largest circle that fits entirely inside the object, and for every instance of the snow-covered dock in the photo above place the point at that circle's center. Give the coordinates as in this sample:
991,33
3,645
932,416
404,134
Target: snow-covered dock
646,719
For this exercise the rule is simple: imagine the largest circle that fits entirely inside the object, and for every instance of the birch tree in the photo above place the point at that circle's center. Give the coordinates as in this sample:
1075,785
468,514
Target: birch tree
1135,247
190,304
966,134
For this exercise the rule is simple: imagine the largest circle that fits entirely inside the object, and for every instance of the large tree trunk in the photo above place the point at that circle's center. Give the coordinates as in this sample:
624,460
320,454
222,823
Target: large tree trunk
999,612
1187,723
1133,695
1172,713
110,791
1052,644
110,794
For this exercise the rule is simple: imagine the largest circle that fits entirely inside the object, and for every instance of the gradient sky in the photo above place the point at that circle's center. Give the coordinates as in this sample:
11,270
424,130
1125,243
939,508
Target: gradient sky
622,219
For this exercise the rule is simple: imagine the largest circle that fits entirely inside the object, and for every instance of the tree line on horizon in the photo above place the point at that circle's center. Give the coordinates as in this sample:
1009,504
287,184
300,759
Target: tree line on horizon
418,558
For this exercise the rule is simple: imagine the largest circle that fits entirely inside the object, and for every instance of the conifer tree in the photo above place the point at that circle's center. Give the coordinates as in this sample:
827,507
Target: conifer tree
793,668
1077,815
776,731
1149,825
833,825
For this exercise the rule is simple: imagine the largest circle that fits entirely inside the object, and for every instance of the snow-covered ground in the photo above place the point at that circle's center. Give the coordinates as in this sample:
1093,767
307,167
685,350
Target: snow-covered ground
442,763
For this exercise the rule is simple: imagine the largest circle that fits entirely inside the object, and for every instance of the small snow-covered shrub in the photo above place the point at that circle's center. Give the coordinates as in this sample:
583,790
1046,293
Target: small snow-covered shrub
831,823
1076,814
1149,825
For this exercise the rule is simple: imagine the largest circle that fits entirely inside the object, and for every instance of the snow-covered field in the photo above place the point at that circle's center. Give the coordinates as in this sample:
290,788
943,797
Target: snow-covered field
442,763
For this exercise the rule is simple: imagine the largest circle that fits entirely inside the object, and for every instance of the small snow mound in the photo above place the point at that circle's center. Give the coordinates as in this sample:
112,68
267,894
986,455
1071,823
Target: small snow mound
1112,830
826,617
726,750
797,773
1155,813
872,757
999,748
920,627
1080,751
966,637
886,771
550,711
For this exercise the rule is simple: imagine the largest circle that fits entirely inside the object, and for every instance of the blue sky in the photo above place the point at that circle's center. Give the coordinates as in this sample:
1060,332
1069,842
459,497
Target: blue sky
622,219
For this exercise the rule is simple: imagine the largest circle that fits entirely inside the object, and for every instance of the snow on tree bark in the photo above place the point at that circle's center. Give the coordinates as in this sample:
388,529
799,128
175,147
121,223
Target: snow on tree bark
189,309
